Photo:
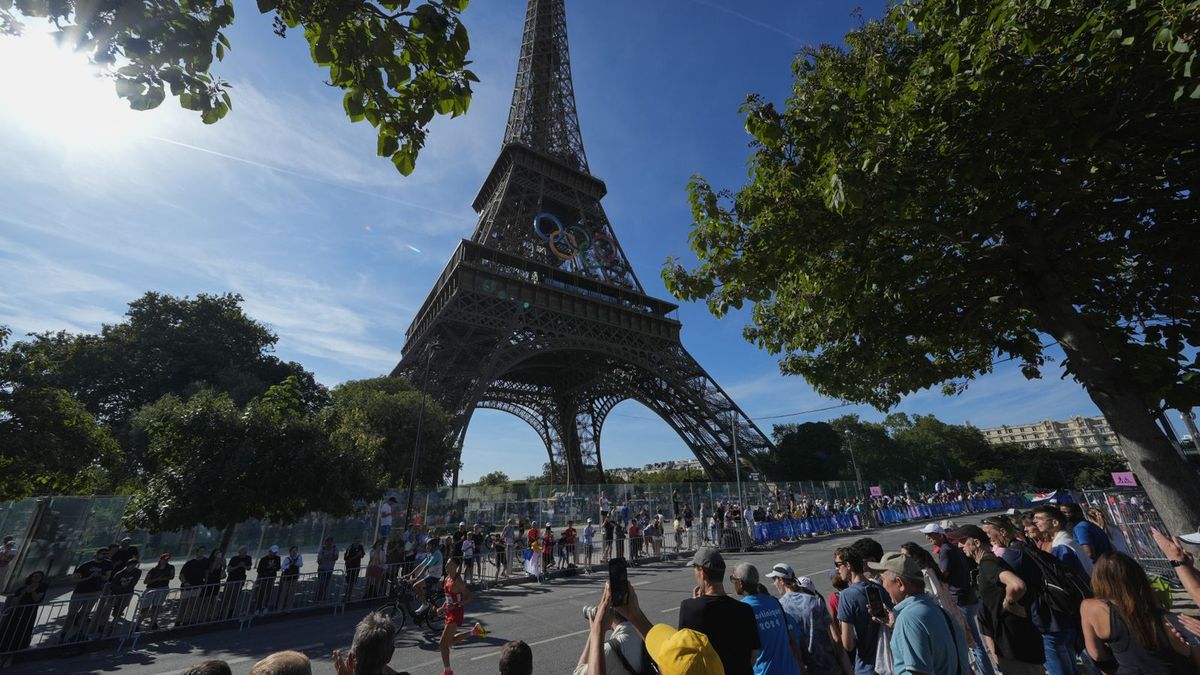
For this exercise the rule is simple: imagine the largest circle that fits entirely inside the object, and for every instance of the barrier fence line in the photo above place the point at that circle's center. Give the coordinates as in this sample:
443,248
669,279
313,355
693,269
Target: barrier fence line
130,618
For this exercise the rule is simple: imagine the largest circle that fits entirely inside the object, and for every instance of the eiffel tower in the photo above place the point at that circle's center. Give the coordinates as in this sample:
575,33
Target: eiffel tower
540,314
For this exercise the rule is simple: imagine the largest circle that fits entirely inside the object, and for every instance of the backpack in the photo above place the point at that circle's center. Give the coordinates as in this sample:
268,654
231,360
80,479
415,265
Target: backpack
1063,589
651,668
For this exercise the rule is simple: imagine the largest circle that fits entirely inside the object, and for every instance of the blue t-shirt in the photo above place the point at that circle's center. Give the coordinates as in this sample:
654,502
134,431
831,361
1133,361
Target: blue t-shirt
812,618
852,609
775,652
925,640
1086,532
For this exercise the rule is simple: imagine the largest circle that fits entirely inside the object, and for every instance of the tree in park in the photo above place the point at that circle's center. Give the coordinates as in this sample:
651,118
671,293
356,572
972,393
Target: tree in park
398,62
49,442
165,345
210,461
494,478
378,418
969,180
808,451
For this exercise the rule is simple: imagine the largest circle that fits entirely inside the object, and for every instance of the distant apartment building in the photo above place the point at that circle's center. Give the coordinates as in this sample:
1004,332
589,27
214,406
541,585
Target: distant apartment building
1087,434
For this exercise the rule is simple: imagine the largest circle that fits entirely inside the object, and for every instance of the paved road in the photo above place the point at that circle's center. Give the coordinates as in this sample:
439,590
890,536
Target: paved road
548,617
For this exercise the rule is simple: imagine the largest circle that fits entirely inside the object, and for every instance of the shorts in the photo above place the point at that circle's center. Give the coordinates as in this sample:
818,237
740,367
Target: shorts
385,530
455,616
431,586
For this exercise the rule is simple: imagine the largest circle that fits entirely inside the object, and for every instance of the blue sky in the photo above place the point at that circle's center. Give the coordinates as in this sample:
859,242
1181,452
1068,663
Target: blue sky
285,202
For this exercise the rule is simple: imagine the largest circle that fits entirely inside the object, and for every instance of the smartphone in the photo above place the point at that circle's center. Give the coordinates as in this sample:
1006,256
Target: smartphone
618,581
875,606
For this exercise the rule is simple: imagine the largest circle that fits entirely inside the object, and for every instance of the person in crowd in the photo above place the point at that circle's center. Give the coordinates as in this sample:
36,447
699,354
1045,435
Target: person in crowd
457,596
353,558
467,547
509,536
859,607
1010,634
1052,526
386,510
371,650
478,537
1126,629
548,543
570,537
924,638
121,586
20,613
801,601
158,580
209,667
8,553
533,534
955,570
1003,537
283,663
676,652
779,651
729,625
327,557
426,575
235,580
212,584
1032,535
375,570
839,584
124,552
90,578
936,589
289,576
500,553
624,651
589,537
609,529
192,578
516,658
1093,541
264,584
1096,516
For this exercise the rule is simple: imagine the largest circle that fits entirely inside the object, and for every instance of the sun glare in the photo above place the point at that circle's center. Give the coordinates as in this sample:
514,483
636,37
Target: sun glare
56,95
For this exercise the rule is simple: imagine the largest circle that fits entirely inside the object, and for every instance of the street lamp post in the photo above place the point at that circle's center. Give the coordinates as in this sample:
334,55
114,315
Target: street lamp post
737,461
412,476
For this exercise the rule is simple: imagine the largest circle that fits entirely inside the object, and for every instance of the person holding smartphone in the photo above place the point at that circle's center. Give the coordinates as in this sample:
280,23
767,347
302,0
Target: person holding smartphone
729,625
859,606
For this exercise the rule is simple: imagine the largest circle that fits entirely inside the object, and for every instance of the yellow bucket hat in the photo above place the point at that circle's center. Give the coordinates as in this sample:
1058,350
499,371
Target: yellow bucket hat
682,652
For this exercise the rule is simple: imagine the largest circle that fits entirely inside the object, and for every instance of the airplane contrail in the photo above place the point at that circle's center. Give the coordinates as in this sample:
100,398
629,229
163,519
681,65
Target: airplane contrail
305,176
750,19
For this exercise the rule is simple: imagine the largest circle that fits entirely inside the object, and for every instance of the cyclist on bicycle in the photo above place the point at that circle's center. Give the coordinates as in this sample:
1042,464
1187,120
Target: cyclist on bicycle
429,571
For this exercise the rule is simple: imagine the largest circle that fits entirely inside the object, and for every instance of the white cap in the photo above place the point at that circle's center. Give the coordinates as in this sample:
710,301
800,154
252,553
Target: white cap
1193,538
589,520
933,528
462,524
274,548
806,582
781,571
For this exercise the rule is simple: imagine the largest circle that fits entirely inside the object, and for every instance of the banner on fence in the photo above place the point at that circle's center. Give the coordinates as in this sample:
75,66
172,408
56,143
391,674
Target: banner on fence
876,491
1124,479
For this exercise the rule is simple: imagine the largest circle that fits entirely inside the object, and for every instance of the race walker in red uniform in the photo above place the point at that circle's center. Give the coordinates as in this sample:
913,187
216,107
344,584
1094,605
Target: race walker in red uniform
457,596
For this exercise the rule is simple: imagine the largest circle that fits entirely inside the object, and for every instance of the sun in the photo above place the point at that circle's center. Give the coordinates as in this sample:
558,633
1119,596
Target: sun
56,95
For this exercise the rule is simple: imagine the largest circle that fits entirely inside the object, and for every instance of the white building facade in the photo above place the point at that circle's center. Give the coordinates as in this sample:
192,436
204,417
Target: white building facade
1086,434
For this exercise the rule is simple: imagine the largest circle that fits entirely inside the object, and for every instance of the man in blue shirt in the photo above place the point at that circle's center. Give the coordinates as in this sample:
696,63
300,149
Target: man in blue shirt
924,638
779,653
858,608
1092,540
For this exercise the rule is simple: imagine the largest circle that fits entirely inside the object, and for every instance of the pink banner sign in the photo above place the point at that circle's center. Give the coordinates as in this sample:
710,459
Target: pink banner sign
876,491
1124,479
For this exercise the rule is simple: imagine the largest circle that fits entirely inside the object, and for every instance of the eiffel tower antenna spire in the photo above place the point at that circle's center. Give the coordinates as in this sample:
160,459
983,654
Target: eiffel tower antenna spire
542,115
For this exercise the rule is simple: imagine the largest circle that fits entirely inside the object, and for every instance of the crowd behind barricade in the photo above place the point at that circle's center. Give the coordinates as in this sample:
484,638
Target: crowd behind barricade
215,588
1048,590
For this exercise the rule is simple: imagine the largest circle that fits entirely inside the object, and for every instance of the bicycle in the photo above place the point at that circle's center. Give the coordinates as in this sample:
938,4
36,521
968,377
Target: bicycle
402,604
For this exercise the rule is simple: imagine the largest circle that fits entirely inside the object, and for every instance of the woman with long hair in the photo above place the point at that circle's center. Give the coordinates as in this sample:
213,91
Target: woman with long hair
1096,516
935,586
1126,629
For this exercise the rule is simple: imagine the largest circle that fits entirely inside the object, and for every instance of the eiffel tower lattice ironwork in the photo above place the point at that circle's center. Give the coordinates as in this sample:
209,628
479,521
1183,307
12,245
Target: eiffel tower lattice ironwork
540,314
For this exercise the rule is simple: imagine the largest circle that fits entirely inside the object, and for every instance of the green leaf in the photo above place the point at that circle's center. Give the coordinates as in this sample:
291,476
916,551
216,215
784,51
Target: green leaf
404,161
1195,92
387,145
265,6
1180,46
1127,41
353,104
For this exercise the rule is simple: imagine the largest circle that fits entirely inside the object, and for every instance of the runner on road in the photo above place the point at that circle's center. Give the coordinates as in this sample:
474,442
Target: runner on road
457,596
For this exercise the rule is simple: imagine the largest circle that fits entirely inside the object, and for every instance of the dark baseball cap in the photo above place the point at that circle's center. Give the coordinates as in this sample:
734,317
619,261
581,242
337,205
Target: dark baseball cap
967,532
709,558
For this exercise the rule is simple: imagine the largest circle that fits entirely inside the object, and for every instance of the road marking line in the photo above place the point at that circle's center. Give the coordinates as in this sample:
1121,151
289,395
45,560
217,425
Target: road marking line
669,609
534,644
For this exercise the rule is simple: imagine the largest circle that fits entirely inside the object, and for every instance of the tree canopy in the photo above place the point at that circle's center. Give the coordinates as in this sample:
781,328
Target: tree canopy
967,182
399,62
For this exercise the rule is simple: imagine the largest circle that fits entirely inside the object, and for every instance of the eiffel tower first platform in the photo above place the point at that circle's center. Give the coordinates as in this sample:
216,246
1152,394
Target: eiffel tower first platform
540,315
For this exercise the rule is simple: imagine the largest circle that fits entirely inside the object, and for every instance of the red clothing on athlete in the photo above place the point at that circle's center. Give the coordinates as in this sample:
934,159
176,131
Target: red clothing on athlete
533,535
454,602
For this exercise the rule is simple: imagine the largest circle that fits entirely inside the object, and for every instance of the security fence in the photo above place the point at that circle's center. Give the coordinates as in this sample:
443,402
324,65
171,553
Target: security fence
1129,516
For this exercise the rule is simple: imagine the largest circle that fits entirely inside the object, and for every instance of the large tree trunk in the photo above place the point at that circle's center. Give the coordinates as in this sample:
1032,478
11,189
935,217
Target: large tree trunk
1171,483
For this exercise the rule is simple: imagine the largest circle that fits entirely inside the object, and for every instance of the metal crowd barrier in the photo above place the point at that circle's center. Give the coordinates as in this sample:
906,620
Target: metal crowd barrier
146,614
1130,516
